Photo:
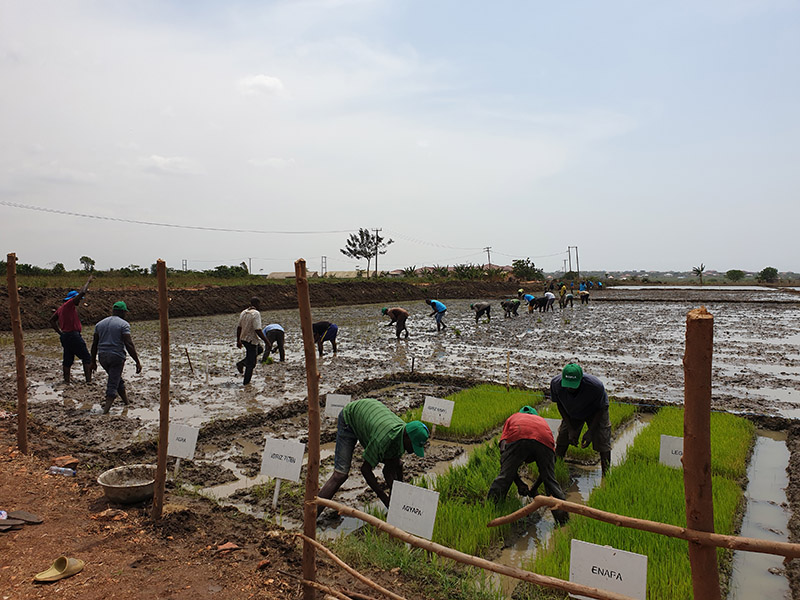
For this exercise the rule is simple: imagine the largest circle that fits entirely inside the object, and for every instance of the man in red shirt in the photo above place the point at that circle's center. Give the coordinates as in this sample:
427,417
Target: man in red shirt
527,438
67,325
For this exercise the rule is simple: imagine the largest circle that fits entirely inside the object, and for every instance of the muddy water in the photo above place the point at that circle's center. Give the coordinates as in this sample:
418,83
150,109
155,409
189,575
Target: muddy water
766,518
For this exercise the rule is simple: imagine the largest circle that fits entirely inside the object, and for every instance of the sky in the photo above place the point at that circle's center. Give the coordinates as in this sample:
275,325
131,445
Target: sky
649,135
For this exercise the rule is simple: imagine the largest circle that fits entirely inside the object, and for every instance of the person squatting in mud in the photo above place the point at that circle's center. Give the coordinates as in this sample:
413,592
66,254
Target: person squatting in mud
385,438
398,316
248,334
582,398
67,324
527,438
438,313
481,308
112,337
510,307
325,331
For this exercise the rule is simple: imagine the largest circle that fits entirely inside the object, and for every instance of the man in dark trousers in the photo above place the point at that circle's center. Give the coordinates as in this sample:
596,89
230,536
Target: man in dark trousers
385,438
527,438
248,334
112,337
274,334
398,316
325,331
480,309
582,398
67,324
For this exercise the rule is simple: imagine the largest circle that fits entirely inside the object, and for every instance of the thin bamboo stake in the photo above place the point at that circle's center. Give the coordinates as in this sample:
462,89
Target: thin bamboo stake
468,559
163,413
19,353
697,449
191,368
362,578
325,588
704,538
312,468
508,371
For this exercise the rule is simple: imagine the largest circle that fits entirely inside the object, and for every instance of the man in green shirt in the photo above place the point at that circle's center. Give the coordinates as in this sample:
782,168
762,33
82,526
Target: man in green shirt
384,436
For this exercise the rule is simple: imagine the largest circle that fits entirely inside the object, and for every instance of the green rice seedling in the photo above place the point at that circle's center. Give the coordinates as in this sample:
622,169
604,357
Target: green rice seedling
643,488
481,409
618,413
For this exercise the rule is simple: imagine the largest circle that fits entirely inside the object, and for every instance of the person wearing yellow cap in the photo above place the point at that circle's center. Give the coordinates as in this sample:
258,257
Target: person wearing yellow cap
582,398
385,438
398,317
527,438
112,337
67,324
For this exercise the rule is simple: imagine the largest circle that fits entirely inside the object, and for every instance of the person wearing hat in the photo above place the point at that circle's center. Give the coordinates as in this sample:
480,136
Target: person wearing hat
438,313
527,438
398,316
482,308
67,324
112,337
582,398
385,438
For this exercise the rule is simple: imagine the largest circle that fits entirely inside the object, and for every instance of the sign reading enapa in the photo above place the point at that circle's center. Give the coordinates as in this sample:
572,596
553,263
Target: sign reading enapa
608,569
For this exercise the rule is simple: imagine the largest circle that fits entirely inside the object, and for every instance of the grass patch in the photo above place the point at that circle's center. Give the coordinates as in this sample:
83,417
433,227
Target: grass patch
479,410
643,488
618,413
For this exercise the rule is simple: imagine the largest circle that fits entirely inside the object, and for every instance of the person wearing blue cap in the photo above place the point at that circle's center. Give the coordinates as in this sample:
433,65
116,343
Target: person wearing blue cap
385,438
67,324
527,438
112,338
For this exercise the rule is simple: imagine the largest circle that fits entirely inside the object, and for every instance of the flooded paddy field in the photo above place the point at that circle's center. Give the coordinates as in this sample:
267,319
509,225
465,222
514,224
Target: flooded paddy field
635,347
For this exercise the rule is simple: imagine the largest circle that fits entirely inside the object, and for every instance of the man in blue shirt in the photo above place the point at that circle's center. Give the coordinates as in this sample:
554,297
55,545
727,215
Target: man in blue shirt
438,313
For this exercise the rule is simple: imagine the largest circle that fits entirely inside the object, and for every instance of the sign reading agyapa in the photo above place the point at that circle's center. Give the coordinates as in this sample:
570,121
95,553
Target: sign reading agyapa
182,441
437,411
670,452
334,403
608,569
413,509
283,459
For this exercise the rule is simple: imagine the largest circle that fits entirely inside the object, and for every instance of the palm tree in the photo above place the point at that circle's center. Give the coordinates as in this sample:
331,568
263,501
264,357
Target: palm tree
699,272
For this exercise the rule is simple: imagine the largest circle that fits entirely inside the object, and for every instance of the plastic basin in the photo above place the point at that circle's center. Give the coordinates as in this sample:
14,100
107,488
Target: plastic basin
129,484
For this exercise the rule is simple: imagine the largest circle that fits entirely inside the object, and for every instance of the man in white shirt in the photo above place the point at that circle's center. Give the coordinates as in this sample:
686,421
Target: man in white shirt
248,334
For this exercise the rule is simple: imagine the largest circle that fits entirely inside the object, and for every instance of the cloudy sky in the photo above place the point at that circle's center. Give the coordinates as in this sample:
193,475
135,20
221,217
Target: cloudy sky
652,135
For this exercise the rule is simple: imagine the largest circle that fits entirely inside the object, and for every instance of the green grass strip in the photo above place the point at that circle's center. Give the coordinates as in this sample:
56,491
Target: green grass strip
618,413
645,489
481,409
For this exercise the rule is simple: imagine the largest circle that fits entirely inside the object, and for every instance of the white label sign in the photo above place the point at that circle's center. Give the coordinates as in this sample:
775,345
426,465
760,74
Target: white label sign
437,411
608,569
283,459
671,451
334,403
413,509
554,425
182,440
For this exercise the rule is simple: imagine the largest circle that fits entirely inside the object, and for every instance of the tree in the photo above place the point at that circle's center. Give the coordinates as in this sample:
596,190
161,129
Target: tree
365,245
88,263
699,272
734,274
59,269
525,270
768,275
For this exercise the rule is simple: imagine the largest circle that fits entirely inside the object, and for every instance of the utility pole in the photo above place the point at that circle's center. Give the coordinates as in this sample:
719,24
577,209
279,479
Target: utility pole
577,264
565,266
249,265
184,265
323,268
377,250
569,257
488,256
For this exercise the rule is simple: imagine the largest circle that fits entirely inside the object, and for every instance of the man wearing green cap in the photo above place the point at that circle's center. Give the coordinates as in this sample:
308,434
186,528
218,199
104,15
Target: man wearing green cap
67,324
398,316
384,436
112,337
582,398
527,438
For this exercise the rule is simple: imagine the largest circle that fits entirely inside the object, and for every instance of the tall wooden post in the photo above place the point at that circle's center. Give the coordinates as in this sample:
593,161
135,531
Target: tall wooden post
163,413
19,353
697,449
312,471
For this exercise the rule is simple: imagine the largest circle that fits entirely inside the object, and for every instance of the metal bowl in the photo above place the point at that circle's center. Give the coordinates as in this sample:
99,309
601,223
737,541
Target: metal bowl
129,484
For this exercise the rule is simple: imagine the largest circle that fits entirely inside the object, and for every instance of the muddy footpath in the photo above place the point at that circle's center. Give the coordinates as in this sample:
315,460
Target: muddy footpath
632,339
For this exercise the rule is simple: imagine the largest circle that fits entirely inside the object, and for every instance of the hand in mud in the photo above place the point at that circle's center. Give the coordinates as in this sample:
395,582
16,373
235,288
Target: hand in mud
585,441
138,368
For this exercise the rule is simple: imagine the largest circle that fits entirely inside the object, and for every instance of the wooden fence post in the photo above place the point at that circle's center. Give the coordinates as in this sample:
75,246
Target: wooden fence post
163,413
19,352
697,449
312,470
